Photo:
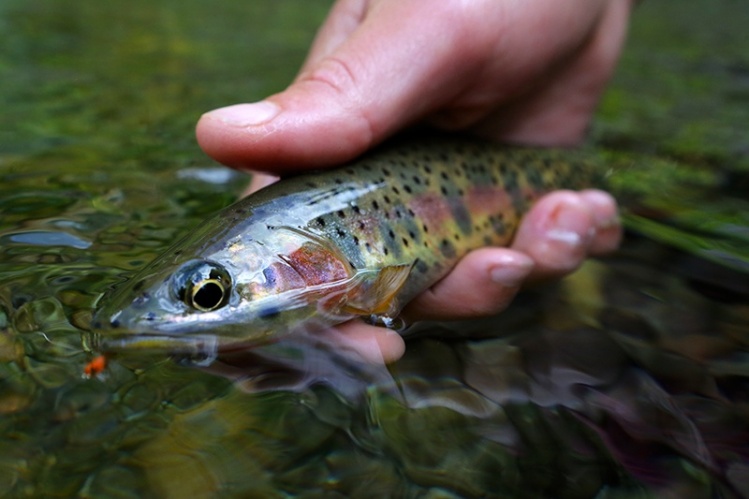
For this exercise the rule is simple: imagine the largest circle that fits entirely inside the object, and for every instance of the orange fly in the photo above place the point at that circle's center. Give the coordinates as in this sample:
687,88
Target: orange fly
95,367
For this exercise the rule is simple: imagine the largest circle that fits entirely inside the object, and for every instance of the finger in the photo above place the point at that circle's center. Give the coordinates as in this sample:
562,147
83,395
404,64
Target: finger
258,181
482,283
559,109
337,108
375,345
344,18
608,226
556,233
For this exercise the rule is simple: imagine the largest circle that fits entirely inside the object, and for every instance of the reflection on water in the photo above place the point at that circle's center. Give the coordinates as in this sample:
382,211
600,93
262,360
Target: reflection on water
630,378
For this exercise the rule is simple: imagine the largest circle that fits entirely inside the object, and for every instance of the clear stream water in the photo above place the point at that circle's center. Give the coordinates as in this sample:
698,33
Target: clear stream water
628,379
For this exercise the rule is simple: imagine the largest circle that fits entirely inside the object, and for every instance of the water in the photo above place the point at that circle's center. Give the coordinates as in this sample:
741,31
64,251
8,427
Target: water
630,378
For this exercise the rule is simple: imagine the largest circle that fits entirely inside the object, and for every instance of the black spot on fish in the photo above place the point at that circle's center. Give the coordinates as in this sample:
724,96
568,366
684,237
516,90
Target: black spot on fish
511,180
424,228
407,188
386,172
386,198
340,233
270,277
356,209
385,250
411,212
341,214
411,234
320,221
427,169
444,176
498,225
447,249
534,178
143,298
405,242
356,240
361,225
395,190
375,205
421,266
391,234
443,190
417,180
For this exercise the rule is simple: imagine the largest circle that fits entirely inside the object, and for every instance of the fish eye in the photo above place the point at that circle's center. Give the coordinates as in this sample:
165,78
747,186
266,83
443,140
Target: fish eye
202,285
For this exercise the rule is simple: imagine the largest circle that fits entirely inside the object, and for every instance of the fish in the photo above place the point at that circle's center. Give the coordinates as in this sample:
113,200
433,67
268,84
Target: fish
318,249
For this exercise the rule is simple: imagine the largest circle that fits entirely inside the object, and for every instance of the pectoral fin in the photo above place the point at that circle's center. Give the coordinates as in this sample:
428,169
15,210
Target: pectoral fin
374,292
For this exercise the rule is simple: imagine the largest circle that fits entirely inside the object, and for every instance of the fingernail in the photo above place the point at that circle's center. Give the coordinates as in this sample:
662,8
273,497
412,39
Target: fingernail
511,272
603,208
570,227
245,115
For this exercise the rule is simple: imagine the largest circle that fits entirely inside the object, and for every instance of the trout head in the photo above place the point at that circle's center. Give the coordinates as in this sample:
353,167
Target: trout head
243,294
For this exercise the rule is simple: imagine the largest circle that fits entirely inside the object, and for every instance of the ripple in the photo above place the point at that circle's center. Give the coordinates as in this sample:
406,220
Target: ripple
46,238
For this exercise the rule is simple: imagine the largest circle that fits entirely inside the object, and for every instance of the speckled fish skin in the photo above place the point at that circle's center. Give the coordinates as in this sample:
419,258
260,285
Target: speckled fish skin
318,249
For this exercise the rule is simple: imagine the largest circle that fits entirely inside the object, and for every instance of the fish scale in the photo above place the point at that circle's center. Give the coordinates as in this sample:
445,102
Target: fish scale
423,204
320,248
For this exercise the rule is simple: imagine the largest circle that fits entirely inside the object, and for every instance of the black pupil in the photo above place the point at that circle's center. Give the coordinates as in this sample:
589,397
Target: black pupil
208,296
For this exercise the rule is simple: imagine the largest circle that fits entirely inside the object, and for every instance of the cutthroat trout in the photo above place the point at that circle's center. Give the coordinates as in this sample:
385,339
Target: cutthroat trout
321,248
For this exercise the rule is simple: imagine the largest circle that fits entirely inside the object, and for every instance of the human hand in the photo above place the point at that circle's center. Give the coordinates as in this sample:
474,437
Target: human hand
523,72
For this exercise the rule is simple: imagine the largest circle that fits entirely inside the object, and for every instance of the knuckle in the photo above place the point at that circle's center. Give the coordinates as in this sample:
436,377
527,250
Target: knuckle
336,74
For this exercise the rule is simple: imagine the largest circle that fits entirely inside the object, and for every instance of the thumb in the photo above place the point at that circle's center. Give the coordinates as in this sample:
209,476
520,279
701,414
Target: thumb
375,82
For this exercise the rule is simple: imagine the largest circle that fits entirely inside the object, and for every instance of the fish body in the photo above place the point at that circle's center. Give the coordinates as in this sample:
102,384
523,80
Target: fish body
321,248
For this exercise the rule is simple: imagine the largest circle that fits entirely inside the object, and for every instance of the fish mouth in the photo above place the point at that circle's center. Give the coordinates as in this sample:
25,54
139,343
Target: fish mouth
202,348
